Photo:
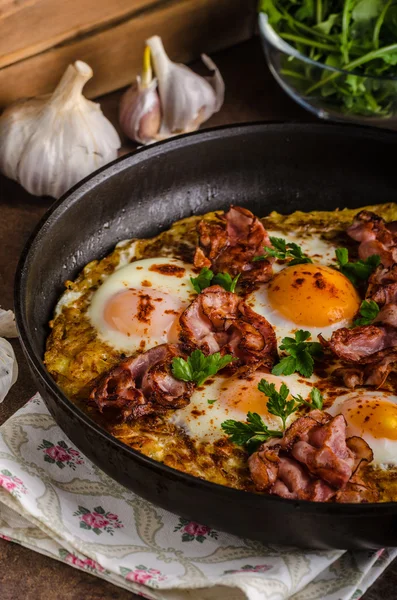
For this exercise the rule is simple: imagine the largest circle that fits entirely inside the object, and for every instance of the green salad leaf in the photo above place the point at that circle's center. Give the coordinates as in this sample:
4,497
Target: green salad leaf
358,36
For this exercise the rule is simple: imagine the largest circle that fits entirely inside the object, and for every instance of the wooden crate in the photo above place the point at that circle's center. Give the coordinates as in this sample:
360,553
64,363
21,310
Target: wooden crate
39,38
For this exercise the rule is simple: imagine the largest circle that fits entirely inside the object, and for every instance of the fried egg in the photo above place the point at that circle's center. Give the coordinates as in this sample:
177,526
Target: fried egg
233,397
309,296
371,415
320,250
138,306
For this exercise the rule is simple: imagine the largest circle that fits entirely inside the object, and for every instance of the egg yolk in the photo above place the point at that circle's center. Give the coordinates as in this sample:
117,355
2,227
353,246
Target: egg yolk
373,416
242,395
144,313
313,295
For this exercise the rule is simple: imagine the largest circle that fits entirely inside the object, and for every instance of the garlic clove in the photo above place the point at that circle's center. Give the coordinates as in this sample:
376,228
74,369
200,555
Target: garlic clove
215,80
64,141
8,368
140,114
187,99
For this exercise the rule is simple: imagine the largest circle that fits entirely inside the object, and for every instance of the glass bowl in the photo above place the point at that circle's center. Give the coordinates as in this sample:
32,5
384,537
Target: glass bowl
326,91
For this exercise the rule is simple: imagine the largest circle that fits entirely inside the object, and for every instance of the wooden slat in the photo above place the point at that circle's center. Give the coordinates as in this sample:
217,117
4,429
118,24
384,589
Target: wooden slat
41,24
9,7
187,27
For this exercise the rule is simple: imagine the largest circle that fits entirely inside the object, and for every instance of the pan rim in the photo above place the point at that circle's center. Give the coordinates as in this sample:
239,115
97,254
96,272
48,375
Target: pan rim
56,211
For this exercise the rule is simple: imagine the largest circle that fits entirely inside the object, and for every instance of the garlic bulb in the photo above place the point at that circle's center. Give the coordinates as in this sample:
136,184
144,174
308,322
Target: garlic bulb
7,324
186,99
50,143
8,368
139,113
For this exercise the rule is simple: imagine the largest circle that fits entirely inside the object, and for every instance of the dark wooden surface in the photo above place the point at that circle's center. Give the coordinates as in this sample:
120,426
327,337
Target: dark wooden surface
251,95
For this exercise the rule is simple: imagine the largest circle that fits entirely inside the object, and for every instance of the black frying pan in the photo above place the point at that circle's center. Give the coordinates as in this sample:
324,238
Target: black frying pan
263,167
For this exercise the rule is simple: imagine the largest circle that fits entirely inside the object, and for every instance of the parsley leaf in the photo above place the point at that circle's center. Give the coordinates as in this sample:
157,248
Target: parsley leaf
356,271
316,398
284,250
300,357
203,280
278,404
252,433
198,367
211,401
225,280
369,309
206,278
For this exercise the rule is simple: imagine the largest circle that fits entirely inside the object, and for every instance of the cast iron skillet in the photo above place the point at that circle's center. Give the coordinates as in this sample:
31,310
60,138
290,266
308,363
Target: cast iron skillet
262,167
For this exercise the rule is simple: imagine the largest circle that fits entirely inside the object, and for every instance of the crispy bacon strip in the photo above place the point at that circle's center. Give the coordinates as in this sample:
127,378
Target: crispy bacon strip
229,244
375,237
360,344
314,461
143,385
382,285
371,350
219,321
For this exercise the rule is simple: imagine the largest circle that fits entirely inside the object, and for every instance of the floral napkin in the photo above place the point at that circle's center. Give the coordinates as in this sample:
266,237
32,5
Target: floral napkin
54,501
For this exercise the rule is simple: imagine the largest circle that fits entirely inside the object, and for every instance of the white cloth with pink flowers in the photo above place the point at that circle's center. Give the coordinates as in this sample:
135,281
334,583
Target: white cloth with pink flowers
54,501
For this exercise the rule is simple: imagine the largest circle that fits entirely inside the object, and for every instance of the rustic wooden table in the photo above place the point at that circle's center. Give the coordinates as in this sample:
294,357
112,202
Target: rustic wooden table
251,95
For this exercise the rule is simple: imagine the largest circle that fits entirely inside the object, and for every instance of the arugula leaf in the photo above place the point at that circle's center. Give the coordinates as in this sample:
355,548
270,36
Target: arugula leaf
358,35
356,271
300,357
272,12
206,278
369,309
284,250
198,367
252,433
327,25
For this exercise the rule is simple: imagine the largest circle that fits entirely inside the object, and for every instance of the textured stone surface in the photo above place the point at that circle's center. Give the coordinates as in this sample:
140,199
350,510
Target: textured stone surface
251,95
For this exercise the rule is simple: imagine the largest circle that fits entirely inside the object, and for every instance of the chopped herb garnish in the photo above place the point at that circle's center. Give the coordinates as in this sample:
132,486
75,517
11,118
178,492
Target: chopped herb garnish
254,431
198,367
225,280
206,278
316,398
369,309
285,250
300,355
250,434
278,404
359,270
211,401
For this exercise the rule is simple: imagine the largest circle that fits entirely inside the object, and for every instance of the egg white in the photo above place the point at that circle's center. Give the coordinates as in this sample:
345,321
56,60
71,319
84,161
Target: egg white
384,448
140,277
322,252
259,302
234,397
